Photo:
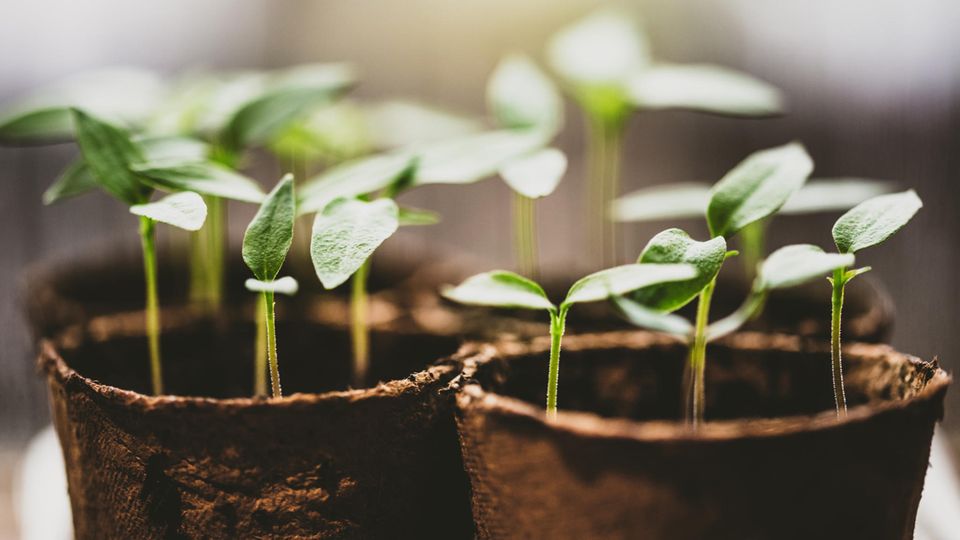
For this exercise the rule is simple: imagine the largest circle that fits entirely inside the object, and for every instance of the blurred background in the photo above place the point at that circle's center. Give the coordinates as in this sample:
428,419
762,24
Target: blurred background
873,89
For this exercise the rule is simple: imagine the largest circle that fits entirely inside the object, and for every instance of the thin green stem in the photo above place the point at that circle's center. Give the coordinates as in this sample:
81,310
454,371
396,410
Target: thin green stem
557,325
752,247
695,391
260,349
272,344
525,235
359,330
839,394
148,241
605,137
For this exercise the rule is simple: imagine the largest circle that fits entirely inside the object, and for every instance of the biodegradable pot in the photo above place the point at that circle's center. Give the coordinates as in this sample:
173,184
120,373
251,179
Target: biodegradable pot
324,462
771,462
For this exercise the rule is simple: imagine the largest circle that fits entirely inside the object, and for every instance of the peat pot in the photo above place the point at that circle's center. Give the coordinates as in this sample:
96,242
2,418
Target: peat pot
772,461
208,461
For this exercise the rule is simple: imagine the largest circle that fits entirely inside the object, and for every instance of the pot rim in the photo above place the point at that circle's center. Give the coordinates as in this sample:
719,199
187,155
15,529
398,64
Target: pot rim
593,426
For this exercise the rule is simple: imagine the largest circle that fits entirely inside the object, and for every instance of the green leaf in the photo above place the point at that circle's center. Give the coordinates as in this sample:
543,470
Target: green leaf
703,87
474,157
359,177
263,118
268,237
74,180
793,265
535,175
669,201
520,96
417,216
207,177
833,194
499,288
285,285
757,188
731,323
346,233
620,280
108,151
172,148
651,319
875,220
398,123
601,49
185,210
850,274
676,246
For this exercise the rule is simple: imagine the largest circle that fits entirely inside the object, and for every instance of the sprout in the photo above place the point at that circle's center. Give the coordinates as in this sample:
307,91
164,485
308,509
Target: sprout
500,288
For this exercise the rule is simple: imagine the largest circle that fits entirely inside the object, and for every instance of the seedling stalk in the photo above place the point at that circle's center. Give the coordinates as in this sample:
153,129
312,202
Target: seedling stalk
148,241
359,330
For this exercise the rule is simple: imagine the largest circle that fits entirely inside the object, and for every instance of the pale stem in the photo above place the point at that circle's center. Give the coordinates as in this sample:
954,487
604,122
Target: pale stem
557,325
148,241
696,393
269,316
359,330
525,235
839,394
260,349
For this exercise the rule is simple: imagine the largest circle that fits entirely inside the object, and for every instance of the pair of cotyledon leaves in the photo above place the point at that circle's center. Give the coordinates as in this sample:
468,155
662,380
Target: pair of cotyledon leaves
345,234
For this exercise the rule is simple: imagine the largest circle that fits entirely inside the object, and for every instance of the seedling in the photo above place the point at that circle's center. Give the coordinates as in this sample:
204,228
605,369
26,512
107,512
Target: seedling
752,191
265,246
605,64
500,288
867,224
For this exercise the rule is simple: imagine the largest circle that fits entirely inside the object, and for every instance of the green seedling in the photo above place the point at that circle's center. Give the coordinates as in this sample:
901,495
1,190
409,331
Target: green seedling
752,191
521,97
865,225
265,246
605,64
689,200
500,288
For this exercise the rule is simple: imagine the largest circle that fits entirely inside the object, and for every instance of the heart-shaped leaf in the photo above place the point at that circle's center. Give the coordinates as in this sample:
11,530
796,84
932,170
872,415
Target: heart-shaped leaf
705,88
651,319
108,152
285,285
620,280
185,210
675,246
601,49
793,265
757,188
535,175
207,177
474,157
409,217
268,237
359,177
346,233
520,96
873,221
499,288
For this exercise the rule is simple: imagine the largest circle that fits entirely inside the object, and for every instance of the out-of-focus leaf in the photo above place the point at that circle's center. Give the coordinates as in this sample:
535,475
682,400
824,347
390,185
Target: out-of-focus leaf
474,157
620,280
535,175
872,222
185,210
675,246
359,177
499,288
417,216
520,96
204,177
833,194
268,237
668,201
601,49
109,152
794,265
285,285
346,233
705,88
642,316
396,124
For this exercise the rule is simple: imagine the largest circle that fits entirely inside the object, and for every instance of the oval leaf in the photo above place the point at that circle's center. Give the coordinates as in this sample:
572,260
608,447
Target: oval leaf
285,285
108,152
537,174
601,49
268,237
474,157
623,279
670,201
346,233
757,188
521,96
260,120
793,265
185,210
639,315
676,246
875,220
705,88
394,124
208,178
833,194
499,288
352,179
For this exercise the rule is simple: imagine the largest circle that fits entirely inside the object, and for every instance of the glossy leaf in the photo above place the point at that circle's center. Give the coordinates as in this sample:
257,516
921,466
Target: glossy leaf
521,96
108,152
474,157
205,177
499,288
757,188
620,280
535,175
268,237
871,222
346,233
675,246
642,316
601,49
793,265
185,210
285,285
359,177
703,87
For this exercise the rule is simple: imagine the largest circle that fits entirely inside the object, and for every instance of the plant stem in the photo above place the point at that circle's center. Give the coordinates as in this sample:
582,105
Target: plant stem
359,331
269,316
557,325
839,395
695,391
752,247
148,241
260,349
525,235
603,160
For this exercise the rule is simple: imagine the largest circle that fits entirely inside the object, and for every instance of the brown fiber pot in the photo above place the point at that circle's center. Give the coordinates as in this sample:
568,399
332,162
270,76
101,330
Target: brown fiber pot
771,462
324,462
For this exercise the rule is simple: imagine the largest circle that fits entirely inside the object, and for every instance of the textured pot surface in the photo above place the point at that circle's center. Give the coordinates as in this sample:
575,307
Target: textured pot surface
323,462
772,461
